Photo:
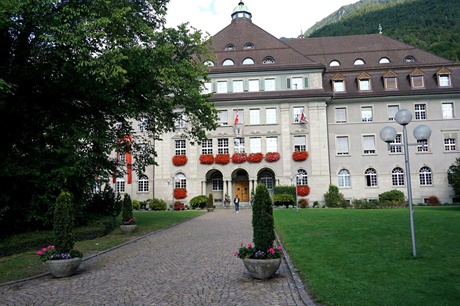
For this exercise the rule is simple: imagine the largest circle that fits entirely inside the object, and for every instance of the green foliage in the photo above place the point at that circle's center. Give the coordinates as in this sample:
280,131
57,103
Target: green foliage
454,177
395,197
303,203
157,204
199,201
262,219
227,198
334,198
127,209
431,25
283,200
365,204
105,203
210,202
64,219
136,204
286,189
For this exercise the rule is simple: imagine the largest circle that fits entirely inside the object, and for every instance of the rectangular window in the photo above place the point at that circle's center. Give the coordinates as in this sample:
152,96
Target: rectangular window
420,111
342,145
422,145
369,144
143,185
253,85
364,84
417,81
297,114
450,144
217,184
444,80
366,114
207,88
206,146
222,87
254,116
339,85
269,84
222,146
238,86
120,185
448,110
340,115
255,144
270,116
238,145
392,110
223,117
180,122
391,83
180,147
143,124
396,145
297,83
300,143
272,144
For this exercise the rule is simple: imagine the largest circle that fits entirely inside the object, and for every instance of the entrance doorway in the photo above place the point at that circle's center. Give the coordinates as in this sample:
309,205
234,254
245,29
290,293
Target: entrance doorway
242,190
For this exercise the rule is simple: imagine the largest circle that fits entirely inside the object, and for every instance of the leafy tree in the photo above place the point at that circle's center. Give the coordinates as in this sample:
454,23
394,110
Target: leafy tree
454,177
262,219
75,74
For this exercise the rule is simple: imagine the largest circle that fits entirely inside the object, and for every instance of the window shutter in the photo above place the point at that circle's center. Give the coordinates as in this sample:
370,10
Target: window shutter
306,82
288,84
214,87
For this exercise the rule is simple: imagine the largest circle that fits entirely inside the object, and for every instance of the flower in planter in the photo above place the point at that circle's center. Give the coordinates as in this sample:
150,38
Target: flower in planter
272,157
129,221
50,253
180,193
179,206
300,155
255,157
252,253
239,158
206,159
303,190
179,160
222,159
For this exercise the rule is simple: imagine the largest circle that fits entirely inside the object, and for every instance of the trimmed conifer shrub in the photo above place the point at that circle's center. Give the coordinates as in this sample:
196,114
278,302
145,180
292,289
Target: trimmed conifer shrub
262,219
64,219
127,209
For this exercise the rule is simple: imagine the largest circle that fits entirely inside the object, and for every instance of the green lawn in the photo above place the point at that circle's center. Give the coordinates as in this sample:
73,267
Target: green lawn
28,264
364,257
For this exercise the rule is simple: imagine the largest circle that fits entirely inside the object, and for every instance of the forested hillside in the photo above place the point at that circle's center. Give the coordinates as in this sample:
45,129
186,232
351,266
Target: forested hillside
432,25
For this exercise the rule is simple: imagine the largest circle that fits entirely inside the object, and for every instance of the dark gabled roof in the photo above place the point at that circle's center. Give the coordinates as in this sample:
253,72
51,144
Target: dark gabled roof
369,48
243,31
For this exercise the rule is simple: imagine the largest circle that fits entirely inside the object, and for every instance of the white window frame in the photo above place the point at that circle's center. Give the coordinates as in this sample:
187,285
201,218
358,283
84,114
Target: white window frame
255,145
297,113
341,115
254,85
344,178
342,145
254,116
206,146
339,85
422,146
420,111
238,86
272,144
392,110
397,177
296,83
365,84
180,146
366,114
223,117
143,184
222,146
444,80
270,116
238,145
426,176
269,84
180,181
300,143
368,144
371,177
450,144
448,110
222,86
396,144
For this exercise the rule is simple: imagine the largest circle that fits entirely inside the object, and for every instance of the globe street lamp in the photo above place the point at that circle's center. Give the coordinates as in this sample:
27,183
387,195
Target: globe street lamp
421,133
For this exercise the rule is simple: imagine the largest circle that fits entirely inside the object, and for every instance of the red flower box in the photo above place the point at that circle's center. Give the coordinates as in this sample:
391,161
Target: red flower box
180,193
255,157
303,190
300,155
272,157
179,160
222,159
239,158
207,159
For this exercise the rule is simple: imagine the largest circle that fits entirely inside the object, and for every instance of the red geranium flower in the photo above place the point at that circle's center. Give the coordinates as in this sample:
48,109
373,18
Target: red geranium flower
180,193
255,157
179,160
239,158
206,159
272,157
300,155
222,159
303,190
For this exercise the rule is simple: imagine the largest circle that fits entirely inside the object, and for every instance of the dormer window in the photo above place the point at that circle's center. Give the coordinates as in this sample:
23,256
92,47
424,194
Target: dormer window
358,62
338,83
364,82
384,60
334,64
416,79
249,46
409,59
248,61
444,77
268,60
229,47
228,62
390,80
209,64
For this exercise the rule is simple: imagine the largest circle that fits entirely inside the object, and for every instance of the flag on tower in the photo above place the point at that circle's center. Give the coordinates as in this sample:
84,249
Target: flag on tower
236,117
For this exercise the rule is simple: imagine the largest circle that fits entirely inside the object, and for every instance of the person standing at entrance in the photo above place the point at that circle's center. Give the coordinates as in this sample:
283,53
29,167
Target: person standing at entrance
237,204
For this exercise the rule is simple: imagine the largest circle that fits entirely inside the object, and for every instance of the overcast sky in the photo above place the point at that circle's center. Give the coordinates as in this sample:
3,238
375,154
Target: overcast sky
280,18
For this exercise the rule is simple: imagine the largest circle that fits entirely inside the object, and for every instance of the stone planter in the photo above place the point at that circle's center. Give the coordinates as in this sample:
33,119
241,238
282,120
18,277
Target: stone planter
129,228
63,267
262,268
210,208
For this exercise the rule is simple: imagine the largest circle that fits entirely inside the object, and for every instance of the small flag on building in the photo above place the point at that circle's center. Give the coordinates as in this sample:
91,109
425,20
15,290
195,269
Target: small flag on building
236,117
303,118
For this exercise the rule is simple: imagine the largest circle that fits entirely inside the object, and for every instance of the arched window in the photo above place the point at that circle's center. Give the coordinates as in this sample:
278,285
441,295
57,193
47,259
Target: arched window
248,61
228,62
426,176
409,59
334,64
249,46
180,181
217,182
229,47
371,177
397,177
209,63
302,177
267,179
344,178
384,60
268,60
358,62
143,184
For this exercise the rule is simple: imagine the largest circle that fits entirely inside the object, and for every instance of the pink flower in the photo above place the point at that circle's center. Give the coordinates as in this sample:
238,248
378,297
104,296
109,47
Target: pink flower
279,248
236,253
272,250
50,246
39,253
44,249
249,245
241,245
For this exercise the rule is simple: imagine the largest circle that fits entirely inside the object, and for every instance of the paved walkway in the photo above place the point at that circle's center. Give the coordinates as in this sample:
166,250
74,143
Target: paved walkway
191,263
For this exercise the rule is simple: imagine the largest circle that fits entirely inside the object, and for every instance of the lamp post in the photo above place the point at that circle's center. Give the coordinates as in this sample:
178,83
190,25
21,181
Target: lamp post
172,182
421,132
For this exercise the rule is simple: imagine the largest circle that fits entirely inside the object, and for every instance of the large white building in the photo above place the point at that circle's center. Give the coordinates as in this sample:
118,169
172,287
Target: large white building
327,96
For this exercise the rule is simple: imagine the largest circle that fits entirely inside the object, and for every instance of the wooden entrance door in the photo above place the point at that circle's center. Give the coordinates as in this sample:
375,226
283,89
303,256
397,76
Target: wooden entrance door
242,190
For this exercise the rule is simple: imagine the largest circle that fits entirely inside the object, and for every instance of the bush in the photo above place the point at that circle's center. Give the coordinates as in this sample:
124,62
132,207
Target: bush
392,198
334,198
303,203
136,204
433,201
286,189
64,219
127,209
105,203
365,204
283,200
199,201
262,219
156,204
210,203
